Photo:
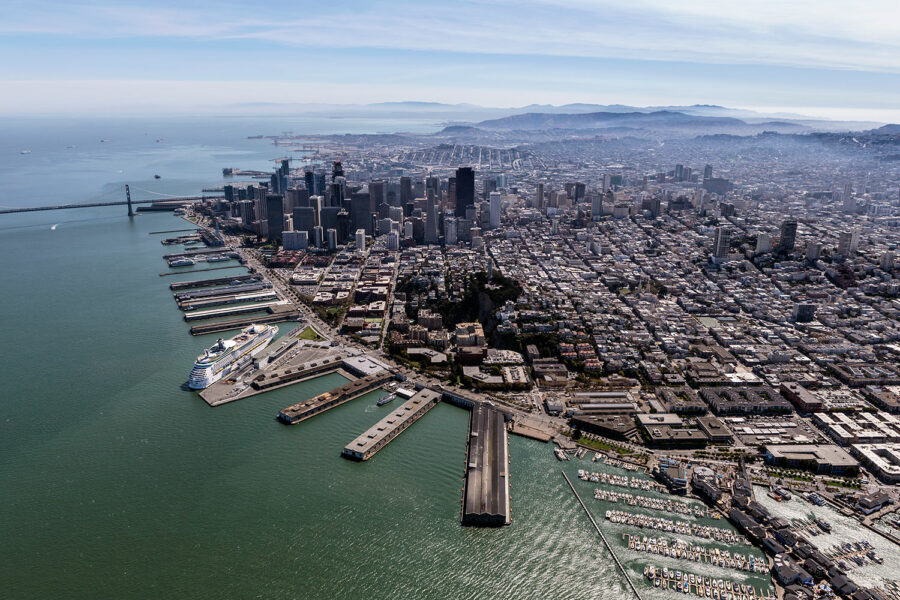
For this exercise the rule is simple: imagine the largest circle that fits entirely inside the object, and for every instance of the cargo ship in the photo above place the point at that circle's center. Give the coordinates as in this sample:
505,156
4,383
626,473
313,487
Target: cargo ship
218,361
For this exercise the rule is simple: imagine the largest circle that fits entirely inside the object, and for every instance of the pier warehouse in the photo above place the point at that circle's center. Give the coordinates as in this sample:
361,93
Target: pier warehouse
486,495
379,435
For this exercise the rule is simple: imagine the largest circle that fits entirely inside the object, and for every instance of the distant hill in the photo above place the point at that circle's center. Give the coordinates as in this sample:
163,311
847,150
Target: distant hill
597,120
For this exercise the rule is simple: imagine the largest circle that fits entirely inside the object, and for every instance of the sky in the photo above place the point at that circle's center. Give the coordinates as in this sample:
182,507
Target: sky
825,58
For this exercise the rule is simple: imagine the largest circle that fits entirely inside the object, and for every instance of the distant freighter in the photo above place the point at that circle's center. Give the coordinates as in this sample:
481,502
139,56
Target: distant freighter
219,360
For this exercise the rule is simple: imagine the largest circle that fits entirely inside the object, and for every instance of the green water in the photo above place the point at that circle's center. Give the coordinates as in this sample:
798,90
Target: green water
117,483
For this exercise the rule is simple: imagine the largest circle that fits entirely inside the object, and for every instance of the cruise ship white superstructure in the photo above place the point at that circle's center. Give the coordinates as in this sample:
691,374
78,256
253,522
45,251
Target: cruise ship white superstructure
223,356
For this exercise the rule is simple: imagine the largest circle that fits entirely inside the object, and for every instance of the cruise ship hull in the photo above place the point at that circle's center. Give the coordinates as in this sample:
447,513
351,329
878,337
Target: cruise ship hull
204,375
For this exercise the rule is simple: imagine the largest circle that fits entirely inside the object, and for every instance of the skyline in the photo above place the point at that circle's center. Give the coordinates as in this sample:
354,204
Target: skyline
163,58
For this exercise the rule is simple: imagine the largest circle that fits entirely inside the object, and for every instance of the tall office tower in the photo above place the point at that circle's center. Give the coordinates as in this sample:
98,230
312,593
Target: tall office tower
434,184
687,174
310,179
275,215
296,240
465,190
343,227
328,217
596,207
655,207
451,231
707,172
395,213
847,243
408,229
849,200
495,210
275,183
305,219
607,182
337,170
788,236
679,172
763,243
813,249
406,194
578,191
288,224
376,194
392,241
318,236
296,197
887,261
431,218
487,186
320,182
361,240
331,239
721,243
360,212
539,196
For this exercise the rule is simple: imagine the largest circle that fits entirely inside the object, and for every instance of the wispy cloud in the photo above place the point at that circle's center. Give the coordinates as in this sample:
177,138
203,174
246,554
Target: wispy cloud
826,33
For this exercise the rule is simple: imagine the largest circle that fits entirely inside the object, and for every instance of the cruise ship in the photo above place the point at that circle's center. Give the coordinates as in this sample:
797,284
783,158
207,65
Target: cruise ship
218,361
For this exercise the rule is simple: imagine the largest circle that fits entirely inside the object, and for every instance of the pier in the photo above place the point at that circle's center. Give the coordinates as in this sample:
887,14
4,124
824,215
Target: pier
235,310
229,290
169,273
380,435
203,252
277,314
486,490
186,285
314,406
296,373
603,537
224,300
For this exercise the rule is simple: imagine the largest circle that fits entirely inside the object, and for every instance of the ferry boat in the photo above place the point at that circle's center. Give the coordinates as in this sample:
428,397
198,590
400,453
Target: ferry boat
218,361
181,262
217,258
386,399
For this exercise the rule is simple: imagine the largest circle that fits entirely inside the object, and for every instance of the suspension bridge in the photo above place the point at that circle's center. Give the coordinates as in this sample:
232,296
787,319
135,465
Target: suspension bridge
165,200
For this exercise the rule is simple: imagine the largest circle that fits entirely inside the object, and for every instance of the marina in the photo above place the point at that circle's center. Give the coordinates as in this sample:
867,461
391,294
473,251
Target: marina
635,483
704,586
681,527
682,550
658,504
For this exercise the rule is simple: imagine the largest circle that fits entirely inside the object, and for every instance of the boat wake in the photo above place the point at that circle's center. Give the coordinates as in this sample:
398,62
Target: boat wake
54,226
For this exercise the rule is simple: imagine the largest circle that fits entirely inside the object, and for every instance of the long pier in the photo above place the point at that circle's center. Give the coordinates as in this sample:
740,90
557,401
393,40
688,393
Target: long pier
380,435
202,270
314,406
486,490
160,202
200,283
603,537
235,310
278,314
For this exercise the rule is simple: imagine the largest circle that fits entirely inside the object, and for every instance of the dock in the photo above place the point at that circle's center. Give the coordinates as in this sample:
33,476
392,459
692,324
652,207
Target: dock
531,428
228,290
277,314
380,435
190,253
234,310
486,490
200,283
296,373
603,537
314,406
170,273
224,300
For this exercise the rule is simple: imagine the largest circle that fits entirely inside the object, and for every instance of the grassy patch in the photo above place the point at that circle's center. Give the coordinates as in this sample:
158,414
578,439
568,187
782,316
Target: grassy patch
309,334
598,445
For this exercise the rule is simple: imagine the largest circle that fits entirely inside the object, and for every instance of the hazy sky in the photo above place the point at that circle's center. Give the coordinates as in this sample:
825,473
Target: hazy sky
823,57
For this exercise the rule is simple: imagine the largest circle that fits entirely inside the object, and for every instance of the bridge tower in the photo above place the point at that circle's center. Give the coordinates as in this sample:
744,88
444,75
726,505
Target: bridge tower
128,199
